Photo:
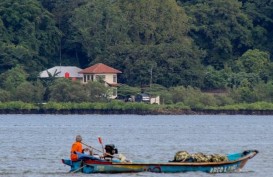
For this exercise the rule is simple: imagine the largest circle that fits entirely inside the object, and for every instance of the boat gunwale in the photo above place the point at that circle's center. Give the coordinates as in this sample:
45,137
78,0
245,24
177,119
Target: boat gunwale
246,157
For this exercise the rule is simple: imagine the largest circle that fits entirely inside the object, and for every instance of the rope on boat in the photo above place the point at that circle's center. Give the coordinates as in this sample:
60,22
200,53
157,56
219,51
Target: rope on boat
78,169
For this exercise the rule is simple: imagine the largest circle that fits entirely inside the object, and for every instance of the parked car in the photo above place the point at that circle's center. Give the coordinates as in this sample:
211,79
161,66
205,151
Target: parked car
143,97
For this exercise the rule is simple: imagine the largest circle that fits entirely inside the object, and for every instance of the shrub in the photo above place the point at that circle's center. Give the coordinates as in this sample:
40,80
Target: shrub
17,105
4,96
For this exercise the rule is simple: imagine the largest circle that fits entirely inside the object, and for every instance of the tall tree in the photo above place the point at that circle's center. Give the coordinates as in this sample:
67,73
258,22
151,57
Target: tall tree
70,52
221,28
261,13
100,24
147,40
30,35
255,62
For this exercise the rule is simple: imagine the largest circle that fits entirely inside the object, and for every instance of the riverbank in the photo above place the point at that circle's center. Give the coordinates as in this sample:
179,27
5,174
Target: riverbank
114,107
137,112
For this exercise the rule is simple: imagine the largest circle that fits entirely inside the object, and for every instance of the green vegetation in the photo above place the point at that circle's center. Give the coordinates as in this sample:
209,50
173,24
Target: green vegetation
194,54
119,107
18,105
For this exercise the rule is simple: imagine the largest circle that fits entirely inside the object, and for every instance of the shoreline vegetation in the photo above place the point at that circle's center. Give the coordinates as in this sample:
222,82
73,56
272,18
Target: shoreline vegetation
119,107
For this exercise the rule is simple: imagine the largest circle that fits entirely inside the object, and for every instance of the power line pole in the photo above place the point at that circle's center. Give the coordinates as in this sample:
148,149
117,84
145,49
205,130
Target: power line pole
151,76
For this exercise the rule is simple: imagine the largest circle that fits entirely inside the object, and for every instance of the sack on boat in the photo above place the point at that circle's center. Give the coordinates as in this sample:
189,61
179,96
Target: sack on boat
184,156
181,156
200,157
122,157
219,158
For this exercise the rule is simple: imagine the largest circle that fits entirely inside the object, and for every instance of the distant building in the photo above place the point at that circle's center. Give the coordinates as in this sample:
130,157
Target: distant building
62,71
143,97
102,72
155,100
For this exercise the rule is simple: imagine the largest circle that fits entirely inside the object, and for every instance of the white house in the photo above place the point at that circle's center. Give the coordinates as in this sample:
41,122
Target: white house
104,72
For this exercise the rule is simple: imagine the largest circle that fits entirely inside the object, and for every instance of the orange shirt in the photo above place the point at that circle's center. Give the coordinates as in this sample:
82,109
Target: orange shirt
76,147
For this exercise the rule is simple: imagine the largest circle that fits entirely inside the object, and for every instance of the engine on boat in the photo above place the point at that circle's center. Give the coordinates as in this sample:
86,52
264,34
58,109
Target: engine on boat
110,149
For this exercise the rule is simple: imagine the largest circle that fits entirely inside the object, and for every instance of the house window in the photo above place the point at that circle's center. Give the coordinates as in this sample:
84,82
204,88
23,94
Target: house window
115,78
84,78
88,77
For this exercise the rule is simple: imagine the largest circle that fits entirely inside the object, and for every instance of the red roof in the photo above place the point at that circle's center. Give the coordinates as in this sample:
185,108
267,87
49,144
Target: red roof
99,69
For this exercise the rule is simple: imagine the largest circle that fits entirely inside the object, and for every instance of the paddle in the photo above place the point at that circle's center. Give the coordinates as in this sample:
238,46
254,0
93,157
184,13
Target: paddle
91,147
100,141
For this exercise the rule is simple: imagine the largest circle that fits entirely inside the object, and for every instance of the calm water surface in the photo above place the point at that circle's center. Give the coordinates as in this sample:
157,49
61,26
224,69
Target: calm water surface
33,145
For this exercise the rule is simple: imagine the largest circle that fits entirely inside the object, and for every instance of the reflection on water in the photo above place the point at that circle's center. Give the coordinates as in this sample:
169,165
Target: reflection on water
33,145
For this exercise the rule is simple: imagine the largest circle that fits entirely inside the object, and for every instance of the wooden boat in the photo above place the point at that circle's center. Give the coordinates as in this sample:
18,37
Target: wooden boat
91,164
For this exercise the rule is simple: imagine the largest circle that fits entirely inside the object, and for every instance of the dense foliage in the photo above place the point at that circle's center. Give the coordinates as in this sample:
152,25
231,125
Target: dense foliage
173,48
28,35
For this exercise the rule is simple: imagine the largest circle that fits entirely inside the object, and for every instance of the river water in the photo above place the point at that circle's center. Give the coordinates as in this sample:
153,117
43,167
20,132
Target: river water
33,145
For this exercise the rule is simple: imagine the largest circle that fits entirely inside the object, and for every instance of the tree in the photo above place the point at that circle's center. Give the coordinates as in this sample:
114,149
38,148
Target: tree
244,94
221,28
29,92
261,13
256,62
125,90
30,35
253,61
96,91
140,38
215,79
12,78
65,90
4,95
243,79
70,52
107,27
155,21
264,92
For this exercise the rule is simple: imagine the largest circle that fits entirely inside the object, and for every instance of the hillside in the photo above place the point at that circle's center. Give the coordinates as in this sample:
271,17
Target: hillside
201,44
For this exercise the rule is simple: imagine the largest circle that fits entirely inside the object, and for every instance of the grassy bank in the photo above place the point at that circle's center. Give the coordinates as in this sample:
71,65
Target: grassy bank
119,107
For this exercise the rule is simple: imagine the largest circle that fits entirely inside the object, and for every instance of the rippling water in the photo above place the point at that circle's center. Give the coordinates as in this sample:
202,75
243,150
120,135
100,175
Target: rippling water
33,145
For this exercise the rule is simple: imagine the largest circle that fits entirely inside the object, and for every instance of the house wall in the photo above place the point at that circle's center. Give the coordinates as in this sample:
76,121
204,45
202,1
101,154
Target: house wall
109,78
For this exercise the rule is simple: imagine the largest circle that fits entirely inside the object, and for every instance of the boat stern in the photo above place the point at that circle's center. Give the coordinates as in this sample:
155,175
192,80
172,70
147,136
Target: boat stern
67,162
74,165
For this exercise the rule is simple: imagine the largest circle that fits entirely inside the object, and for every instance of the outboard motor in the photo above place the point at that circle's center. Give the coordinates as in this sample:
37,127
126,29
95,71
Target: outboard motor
110,149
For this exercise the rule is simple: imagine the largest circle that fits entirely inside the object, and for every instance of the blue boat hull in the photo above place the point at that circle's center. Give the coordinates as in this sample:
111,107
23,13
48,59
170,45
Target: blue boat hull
235,163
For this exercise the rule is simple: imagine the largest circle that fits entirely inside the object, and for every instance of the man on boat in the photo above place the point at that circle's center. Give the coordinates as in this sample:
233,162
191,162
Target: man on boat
76,147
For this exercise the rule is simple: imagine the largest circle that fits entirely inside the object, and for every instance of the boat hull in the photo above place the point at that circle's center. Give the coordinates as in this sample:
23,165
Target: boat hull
235,163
